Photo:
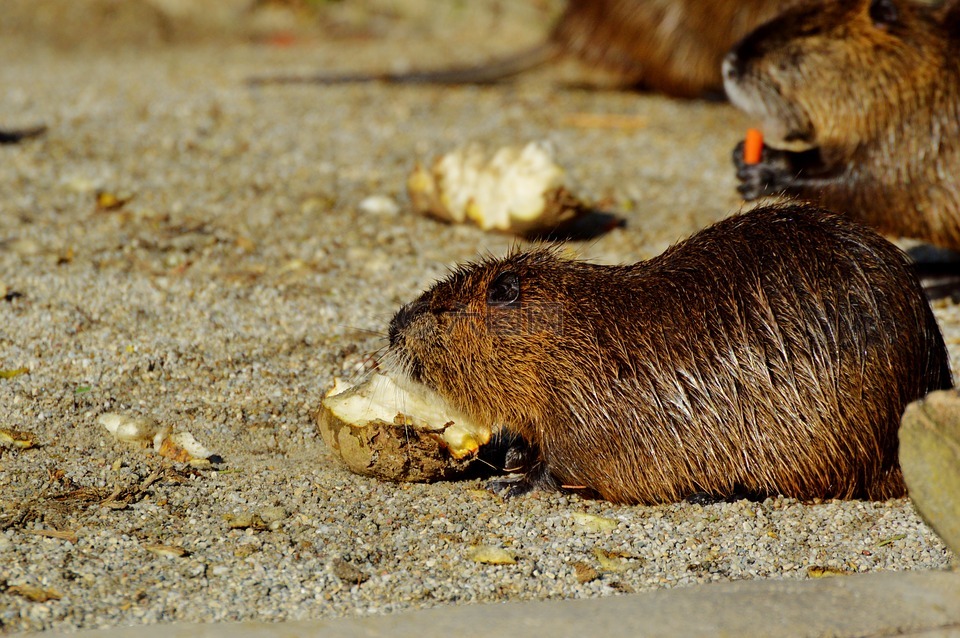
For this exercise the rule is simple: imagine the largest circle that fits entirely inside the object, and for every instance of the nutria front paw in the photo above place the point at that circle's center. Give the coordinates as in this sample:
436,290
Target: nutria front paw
738,494
511,485
770,176
537,477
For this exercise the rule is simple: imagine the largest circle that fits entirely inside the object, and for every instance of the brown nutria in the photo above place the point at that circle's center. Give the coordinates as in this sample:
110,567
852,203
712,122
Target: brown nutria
671,46
771,353
863,99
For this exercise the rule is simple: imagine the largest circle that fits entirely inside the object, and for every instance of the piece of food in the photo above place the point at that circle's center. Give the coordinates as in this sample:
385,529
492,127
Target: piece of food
753,146
519,189
398,432
178,446
133,429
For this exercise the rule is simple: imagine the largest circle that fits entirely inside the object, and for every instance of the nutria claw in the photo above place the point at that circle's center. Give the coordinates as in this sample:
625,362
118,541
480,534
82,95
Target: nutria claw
771,175
535,477
512,485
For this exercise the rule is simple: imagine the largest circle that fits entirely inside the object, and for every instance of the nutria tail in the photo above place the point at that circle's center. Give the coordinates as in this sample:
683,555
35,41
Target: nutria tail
489,72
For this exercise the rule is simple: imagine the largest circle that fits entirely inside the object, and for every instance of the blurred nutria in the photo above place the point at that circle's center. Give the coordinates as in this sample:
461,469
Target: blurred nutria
861,102
771,353
672,46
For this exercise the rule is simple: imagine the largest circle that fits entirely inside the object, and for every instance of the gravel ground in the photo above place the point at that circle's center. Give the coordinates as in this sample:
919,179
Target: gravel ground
244,274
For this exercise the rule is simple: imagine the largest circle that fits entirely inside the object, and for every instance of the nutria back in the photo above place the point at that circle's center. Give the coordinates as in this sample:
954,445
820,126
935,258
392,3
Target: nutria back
773,352
671,46
862,99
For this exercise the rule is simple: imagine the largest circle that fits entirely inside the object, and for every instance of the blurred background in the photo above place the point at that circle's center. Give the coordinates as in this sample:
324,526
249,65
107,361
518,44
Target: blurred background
69,24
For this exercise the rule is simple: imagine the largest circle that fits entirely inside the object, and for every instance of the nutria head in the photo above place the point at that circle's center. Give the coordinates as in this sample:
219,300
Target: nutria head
491,330
836,74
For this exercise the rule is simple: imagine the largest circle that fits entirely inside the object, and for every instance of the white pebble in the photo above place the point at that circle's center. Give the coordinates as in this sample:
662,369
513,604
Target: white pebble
379,205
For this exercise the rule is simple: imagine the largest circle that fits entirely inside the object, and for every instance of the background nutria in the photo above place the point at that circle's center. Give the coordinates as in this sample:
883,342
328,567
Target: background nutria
773,352
672,46
863,99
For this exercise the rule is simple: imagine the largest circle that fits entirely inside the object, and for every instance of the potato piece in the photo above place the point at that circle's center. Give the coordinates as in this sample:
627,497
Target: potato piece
398,432
519,189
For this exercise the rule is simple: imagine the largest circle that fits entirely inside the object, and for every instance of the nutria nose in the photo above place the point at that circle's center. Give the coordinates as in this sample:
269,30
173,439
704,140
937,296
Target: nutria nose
403,318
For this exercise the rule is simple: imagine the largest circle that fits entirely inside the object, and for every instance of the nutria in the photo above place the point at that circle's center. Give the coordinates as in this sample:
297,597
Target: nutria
671,46
771,353
862,97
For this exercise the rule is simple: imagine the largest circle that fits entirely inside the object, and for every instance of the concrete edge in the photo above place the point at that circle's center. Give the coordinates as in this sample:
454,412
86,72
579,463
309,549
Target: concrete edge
880,604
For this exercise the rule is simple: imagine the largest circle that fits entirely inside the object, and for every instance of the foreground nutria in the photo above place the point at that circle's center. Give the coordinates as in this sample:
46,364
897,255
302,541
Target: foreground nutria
773,352
672,46
862,97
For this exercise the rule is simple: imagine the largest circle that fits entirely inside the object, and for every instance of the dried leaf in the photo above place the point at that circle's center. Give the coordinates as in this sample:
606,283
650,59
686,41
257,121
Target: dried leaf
35,594
614,561
61,534
822,571
488,555
17,439
585,573
347,572
245,520
594,523
892,539
107,201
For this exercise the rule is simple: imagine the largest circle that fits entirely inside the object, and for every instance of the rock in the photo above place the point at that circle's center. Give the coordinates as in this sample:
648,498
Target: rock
930,458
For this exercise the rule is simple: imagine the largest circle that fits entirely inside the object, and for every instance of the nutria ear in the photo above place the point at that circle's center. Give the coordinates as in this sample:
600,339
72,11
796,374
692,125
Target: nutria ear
884,13
504,290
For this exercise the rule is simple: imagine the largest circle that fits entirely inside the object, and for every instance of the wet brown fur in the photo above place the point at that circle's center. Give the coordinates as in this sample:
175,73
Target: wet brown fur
873,87
773,352
674,47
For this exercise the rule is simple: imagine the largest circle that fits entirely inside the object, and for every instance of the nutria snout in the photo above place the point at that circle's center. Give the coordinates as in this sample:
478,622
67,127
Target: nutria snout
773,352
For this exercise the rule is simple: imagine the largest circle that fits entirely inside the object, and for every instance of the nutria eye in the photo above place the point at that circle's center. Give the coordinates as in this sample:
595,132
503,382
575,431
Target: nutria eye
504,290
884,13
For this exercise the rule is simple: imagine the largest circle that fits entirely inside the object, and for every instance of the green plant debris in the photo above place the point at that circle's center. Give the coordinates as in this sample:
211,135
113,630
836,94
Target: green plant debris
887,541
